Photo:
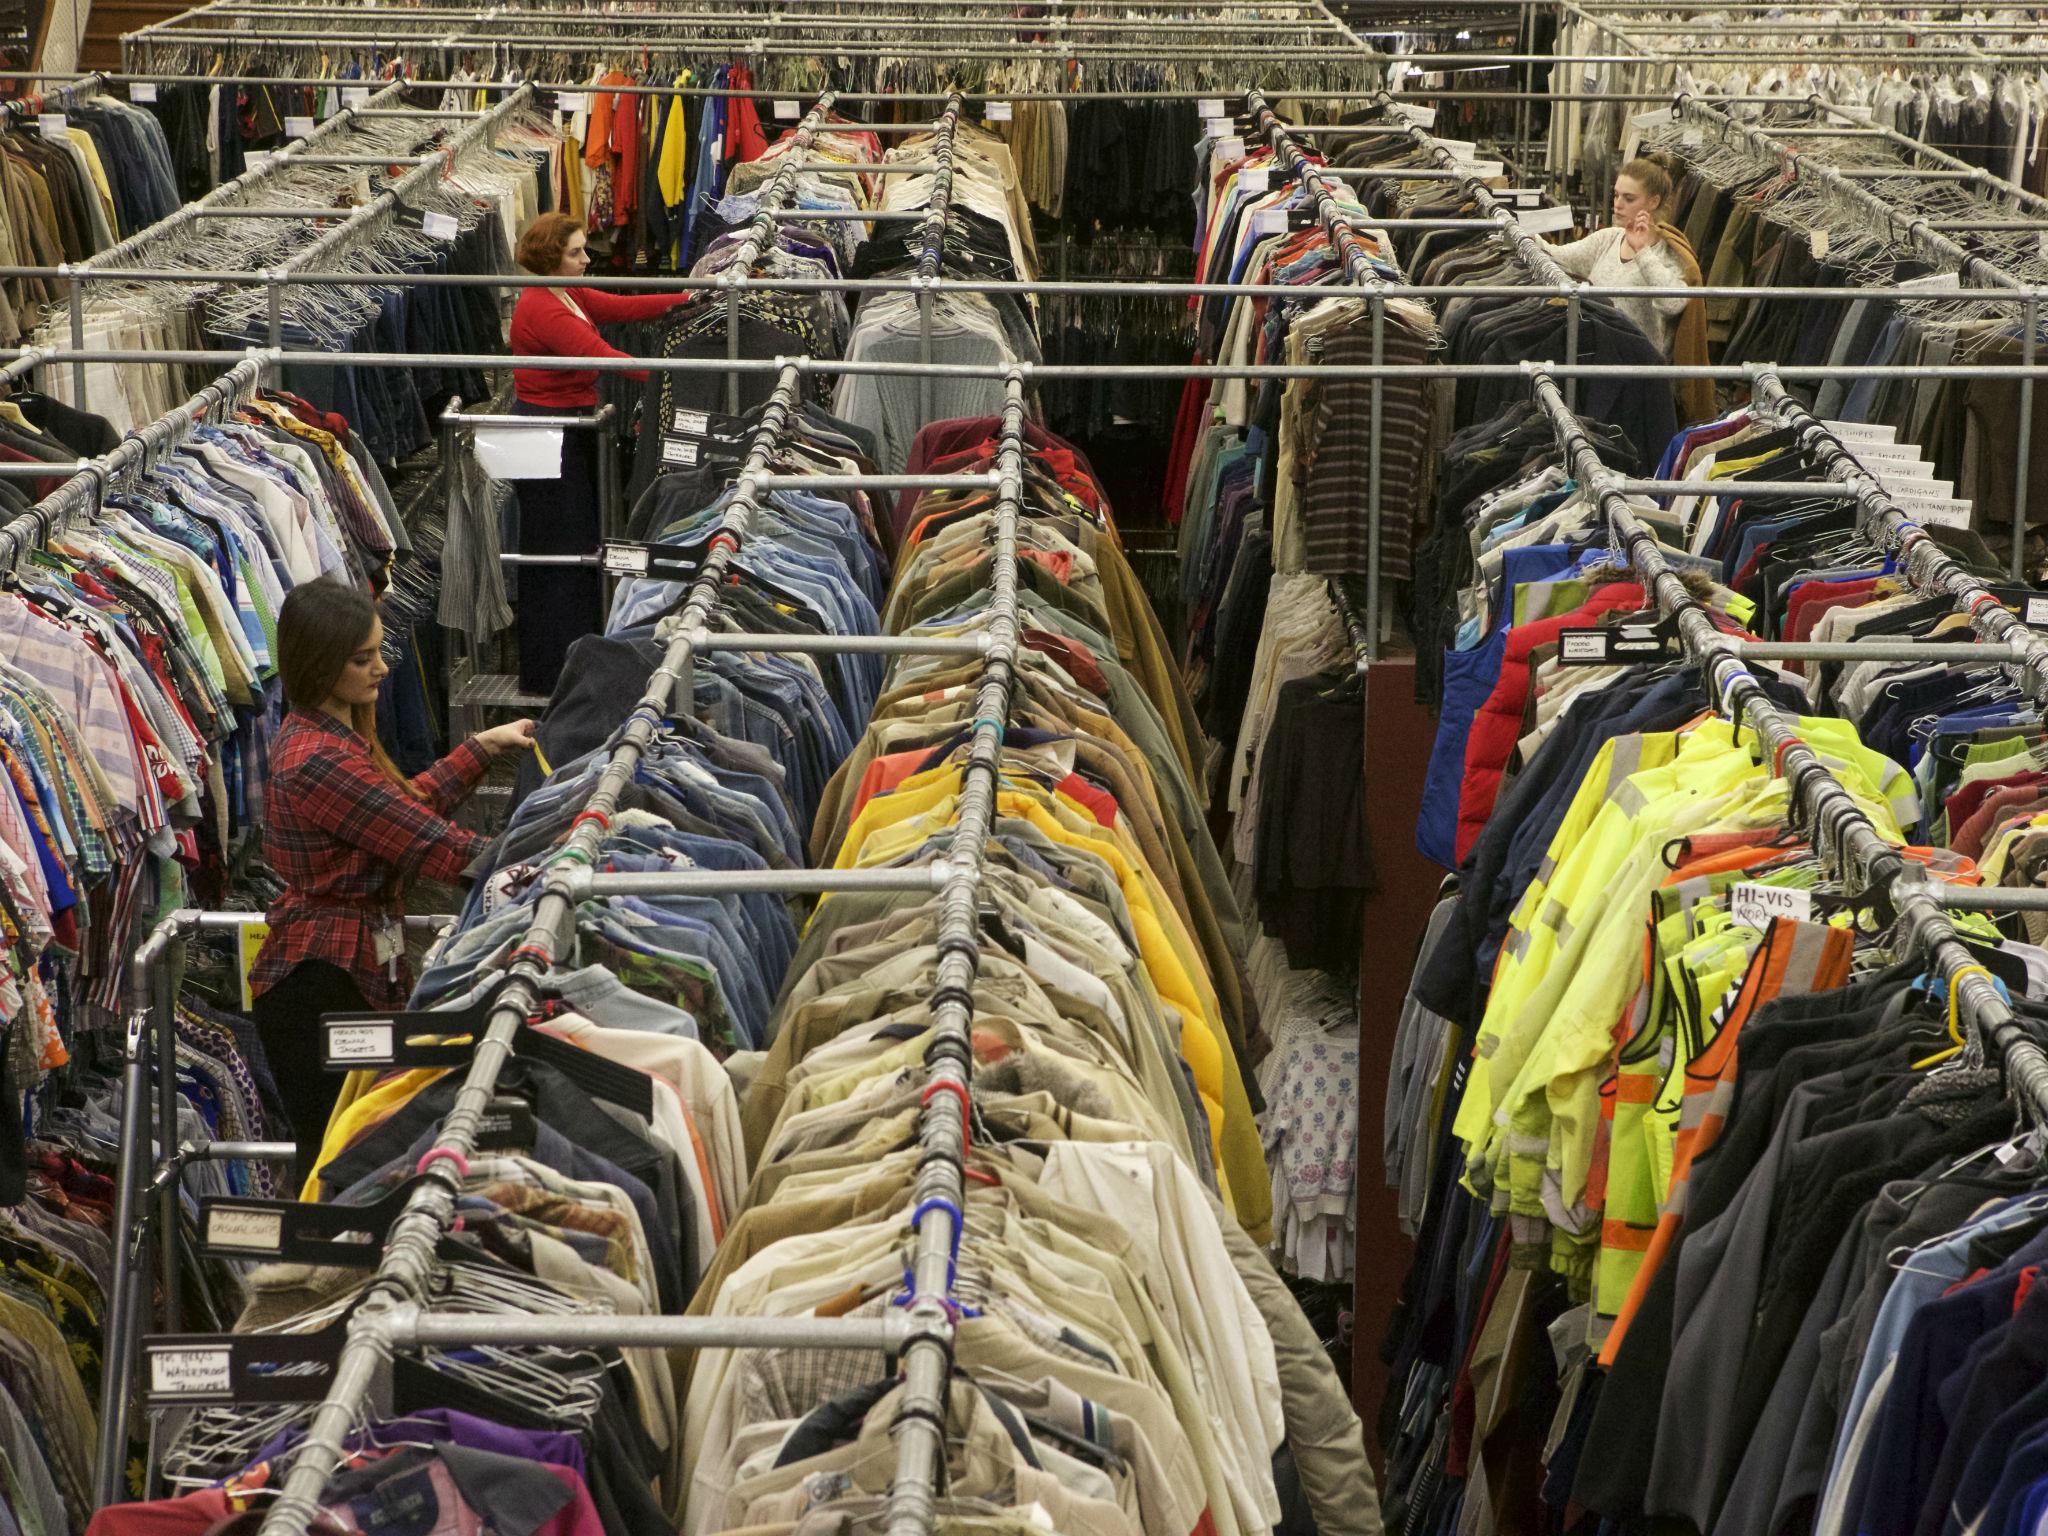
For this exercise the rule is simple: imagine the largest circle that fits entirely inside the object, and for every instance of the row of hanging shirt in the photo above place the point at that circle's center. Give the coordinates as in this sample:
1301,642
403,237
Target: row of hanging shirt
139,695
70,192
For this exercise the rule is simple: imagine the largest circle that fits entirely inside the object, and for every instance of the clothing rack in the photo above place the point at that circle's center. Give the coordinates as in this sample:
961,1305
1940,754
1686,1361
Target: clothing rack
938,1209
931,254
762,231
1364,643
1359,269
1913,230
403,1270
1840,832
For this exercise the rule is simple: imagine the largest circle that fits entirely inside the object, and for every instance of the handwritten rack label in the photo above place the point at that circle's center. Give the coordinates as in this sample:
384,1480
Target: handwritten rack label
229,1226
625,559
366,1043
1755,905
190,1370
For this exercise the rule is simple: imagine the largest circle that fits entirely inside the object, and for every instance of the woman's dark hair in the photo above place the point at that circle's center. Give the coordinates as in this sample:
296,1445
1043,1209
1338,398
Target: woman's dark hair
1652,175
540,248
321,625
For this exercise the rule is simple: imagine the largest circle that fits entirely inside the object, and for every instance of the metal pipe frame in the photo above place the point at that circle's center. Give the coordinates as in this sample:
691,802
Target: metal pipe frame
893,98
940,1192
1843,836
403,1272
845,645
998,370
668,45
455,416
1072,288
583,884
706,26
1992,898
1971,653
409,1326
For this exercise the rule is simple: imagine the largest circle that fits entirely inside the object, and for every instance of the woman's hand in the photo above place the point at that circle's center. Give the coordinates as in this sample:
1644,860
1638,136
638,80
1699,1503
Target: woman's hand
1641,232
516,737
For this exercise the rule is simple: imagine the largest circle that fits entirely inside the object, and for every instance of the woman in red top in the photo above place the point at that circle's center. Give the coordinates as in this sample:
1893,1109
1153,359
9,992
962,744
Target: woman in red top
344,831
560,516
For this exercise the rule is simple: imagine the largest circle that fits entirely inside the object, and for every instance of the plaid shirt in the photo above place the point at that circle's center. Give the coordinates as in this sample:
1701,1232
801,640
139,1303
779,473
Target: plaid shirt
343,838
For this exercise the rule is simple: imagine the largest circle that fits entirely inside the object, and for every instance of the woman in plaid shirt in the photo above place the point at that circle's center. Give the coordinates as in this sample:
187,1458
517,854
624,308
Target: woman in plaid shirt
345,832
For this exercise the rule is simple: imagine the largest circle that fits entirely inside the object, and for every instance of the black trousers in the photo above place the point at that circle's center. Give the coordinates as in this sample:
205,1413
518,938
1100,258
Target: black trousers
558,603
288,1023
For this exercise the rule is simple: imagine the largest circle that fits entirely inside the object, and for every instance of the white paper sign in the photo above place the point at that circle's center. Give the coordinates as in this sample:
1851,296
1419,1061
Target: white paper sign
440,226
1421,117
1934,282
1543,221
355,95
1930,490
1270,221
788,111
257,160
569,103
1949,513
1485,170
1755,905
52,125
1209,106
1645,121
1464,149
678,450
297,127
234,1227
1861,431
2037,611
625,559
141,92
1520,197
189,1369
691,423
359,1042
996,112
1581,647
520,453
1217,127
1228,150
1889,453
1256,178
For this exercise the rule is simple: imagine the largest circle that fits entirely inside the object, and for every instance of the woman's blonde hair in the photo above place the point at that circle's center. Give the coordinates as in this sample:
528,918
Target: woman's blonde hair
1651,174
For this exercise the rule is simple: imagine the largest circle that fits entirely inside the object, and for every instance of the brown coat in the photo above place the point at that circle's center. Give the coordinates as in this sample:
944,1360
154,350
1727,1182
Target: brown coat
1689,337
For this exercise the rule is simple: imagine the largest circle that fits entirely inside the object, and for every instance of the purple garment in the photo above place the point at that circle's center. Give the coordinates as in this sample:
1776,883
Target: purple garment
438,1424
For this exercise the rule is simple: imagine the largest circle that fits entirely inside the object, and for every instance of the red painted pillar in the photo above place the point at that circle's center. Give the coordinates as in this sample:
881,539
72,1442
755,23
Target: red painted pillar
1398,736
